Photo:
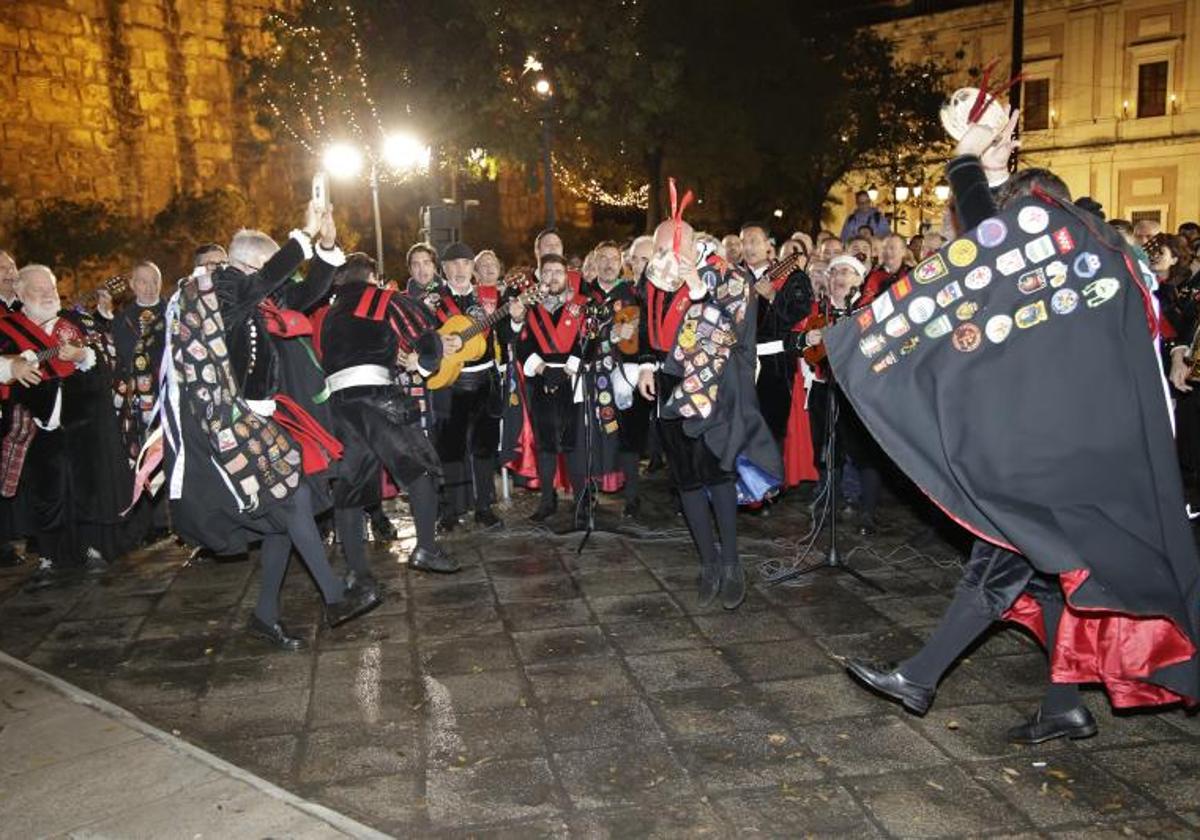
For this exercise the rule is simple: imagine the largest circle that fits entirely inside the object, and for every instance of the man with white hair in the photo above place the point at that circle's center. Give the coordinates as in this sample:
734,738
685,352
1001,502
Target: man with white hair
62,444
637,256
1145,230
846,277
254,457
697,366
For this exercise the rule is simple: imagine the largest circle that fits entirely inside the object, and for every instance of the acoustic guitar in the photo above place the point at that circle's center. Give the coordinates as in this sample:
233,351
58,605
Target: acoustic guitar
473,331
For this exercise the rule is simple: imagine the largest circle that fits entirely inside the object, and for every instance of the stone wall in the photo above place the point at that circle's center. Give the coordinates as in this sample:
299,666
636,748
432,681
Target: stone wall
130,101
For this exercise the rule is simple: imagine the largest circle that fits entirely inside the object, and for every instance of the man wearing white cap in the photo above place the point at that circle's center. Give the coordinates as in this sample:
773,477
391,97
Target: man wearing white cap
846,276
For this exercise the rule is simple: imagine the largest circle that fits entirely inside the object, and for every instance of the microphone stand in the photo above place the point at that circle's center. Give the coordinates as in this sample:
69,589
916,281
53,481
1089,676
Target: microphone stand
827,509
591,496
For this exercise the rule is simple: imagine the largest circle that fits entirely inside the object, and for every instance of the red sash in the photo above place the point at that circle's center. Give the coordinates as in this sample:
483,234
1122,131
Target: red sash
552,338
29,336
317,446
284,323
665,317
448,309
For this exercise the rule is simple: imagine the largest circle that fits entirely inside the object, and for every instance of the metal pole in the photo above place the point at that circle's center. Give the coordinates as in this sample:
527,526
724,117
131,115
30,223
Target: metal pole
547,172
1018,58
378,223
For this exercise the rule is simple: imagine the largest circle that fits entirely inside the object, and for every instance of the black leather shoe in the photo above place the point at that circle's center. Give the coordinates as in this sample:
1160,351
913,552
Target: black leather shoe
632,508
545,510
487,519
710,583
733,586
915,698
357,601
274,634
424,560
1074,724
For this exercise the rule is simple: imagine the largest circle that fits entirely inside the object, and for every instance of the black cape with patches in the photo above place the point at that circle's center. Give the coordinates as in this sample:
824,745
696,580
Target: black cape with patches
1052,438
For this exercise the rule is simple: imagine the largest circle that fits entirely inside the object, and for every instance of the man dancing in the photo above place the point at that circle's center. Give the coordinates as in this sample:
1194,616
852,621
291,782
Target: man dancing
235,474
376,343
1104,572
697,336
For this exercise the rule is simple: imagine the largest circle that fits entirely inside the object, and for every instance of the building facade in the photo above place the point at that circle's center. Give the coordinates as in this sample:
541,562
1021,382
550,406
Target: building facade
1111,99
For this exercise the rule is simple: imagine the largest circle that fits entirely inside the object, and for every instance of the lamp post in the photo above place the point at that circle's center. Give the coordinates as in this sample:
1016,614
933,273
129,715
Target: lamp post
544,91
401,153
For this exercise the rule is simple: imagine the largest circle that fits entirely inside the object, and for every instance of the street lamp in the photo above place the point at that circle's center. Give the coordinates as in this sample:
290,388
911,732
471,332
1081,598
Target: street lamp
942,191
543,90
872,193
399,152
902,193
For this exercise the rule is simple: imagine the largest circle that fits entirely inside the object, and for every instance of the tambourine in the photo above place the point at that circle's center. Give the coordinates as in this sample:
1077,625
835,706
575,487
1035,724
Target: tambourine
663,271
956,113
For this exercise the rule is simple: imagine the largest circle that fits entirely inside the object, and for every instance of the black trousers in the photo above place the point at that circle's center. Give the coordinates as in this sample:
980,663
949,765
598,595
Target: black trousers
468,438
379,429
774,389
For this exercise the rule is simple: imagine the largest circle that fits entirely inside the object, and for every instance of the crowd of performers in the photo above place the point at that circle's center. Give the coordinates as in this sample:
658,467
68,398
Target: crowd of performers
285,386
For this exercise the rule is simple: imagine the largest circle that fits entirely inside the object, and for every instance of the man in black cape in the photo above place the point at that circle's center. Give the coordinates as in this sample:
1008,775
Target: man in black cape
245,461
1017,384
697,341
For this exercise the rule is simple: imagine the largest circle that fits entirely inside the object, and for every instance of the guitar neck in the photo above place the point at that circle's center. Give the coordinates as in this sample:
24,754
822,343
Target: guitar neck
486,324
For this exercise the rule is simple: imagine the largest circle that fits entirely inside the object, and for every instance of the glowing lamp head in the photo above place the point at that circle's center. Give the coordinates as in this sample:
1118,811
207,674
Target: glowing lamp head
543,88
873,193
405,153
902,194
342,160
942,191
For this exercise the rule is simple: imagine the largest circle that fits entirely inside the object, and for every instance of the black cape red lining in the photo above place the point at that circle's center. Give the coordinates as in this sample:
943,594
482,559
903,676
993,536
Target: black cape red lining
1016,382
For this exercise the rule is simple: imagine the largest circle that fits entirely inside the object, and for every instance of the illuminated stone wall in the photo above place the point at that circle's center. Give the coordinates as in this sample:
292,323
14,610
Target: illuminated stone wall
130,101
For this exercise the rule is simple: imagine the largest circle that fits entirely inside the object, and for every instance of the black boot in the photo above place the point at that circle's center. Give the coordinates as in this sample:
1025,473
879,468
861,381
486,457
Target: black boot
733,586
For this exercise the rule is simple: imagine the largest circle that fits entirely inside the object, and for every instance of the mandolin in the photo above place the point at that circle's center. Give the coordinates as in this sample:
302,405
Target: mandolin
473,331
781,269
816,354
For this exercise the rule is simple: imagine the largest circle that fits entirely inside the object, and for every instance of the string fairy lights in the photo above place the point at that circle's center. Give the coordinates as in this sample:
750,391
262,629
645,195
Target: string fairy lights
594,192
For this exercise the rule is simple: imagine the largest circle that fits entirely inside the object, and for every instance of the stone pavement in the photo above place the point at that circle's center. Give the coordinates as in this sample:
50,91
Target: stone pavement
544,692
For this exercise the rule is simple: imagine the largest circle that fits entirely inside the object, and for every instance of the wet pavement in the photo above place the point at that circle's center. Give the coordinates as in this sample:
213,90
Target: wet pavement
547,692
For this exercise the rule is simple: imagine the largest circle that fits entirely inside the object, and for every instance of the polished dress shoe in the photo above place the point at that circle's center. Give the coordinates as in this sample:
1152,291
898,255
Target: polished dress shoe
274,634
357,600
435,560
915,698
545,510
733,586
1074,724
487,519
